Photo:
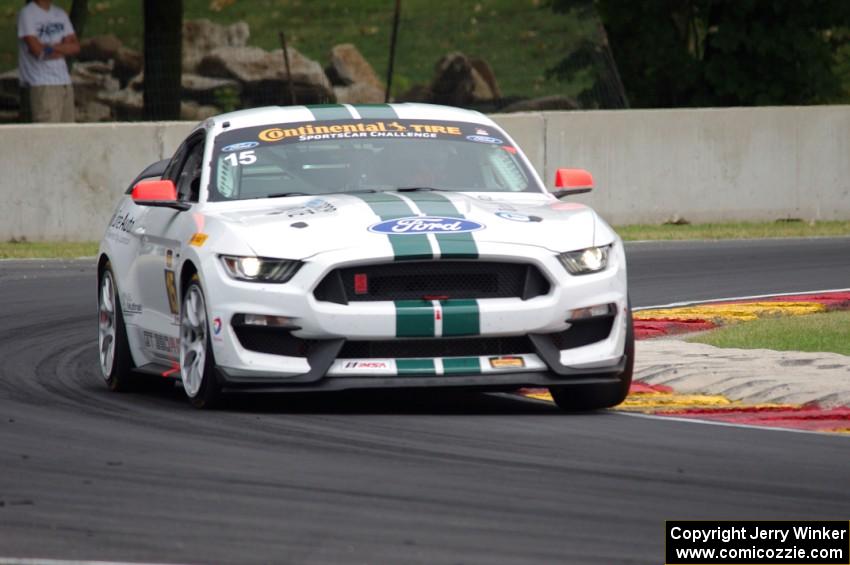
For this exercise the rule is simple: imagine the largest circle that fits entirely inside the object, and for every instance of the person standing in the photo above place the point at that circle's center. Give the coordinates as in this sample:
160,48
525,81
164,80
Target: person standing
45,38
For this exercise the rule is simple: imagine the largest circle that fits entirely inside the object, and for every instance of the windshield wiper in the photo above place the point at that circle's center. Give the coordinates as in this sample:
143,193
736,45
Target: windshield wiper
285,194
418,188
317,194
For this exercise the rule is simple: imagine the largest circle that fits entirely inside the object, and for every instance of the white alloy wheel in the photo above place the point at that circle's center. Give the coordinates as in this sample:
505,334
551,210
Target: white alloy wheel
106,325
193,340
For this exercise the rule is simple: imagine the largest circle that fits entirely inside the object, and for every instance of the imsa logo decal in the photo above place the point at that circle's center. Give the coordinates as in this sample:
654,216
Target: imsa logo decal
425,224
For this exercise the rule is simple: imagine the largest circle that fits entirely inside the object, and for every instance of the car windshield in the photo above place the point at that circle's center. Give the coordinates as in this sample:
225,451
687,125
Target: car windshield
311,158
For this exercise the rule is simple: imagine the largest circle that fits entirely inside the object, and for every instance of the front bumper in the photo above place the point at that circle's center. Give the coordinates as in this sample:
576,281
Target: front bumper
330,325
248,381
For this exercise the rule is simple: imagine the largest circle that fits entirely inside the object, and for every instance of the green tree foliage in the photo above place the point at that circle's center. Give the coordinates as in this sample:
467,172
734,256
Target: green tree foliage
721,52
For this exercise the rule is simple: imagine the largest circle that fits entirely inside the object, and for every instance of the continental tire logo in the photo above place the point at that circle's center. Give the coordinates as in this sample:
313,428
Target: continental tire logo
272,134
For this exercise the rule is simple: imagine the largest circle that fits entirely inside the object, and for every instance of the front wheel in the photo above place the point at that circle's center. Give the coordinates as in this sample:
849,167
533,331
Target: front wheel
196,357
594,397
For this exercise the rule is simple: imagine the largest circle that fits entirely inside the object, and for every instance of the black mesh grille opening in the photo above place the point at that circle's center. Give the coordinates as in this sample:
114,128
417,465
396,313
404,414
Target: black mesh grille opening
583,332
274,341
419,279
441,347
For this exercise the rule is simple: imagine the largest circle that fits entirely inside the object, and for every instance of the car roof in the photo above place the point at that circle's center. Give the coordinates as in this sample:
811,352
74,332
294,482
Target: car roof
320,112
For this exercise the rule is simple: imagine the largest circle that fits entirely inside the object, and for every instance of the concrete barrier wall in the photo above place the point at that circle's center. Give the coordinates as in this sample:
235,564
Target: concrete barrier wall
708,165
60,182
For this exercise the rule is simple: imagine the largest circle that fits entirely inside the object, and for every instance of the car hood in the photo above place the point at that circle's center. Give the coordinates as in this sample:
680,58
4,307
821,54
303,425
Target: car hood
299,227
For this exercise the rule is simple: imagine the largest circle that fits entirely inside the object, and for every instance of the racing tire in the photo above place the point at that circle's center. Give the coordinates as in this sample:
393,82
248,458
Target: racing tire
586,398
116,363
197,364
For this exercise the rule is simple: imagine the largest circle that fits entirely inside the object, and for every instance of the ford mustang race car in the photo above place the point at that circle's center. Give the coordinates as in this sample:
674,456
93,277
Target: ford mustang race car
318,248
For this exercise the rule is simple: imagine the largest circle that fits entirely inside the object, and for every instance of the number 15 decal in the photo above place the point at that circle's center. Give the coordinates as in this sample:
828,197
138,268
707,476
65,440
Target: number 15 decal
243,158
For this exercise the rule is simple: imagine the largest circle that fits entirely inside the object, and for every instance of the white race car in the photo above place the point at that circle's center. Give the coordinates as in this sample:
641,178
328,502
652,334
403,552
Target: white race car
333,247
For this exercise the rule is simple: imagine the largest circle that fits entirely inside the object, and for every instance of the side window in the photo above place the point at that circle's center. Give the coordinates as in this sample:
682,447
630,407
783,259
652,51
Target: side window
176,162
189,179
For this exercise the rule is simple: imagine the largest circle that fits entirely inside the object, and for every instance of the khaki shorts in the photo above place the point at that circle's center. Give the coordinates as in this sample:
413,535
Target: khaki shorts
48,103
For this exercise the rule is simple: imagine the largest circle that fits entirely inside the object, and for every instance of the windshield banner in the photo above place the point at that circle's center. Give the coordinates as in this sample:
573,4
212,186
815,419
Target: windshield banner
353,129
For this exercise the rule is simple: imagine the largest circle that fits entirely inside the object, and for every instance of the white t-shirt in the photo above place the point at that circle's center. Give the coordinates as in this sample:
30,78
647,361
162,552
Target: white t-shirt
49,27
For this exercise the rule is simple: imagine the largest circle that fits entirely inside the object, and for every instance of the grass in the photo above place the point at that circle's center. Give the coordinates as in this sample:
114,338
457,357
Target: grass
734,230
815,332
47,249
519,38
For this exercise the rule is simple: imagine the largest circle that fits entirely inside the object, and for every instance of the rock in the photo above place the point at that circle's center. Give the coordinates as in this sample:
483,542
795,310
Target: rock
263,75
127,104
481,90
485,72
202,37
453,82
192,111
90,80
200,89
206,90
359,93
99,48
417,93
555,102
252,64
128,63
349,67
461,81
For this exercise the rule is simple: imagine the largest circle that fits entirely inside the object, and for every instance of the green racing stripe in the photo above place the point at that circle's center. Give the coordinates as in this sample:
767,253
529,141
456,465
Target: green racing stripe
389,207
461,366
330,112
452,245
414,318
451,366
376,111
415,367
461,317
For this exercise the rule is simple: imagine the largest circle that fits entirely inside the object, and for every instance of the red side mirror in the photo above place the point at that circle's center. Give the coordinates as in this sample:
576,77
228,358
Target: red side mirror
572,181
158,193
159,190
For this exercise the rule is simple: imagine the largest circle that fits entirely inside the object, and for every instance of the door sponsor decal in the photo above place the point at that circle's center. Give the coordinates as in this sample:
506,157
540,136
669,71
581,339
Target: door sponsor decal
160,342
171,290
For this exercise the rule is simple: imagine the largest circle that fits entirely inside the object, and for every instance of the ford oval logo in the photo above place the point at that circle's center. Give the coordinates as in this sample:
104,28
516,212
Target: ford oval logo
240,146
425,224
484,139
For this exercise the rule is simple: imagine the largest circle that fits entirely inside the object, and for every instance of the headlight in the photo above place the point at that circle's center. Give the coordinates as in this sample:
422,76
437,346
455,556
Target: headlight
258,269
586,261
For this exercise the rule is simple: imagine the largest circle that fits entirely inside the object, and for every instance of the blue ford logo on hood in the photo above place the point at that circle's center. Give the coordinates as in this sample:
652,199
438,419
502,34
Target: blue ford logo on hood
425,224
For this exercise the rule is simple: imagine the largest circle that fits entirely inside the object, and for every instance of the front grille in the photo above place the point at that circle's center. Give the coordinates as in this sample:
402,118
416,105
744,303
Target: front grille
440,347
424,279
273,341
583,332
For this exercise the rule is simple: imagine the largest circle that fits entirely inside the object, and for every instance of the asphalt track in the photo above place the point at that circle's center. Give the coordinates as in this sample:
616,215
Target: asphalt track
381,478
